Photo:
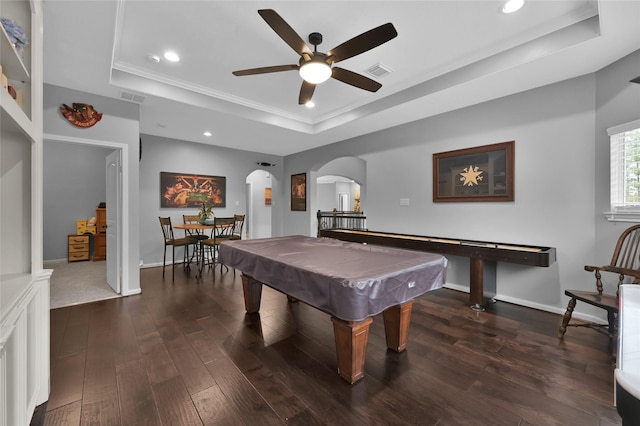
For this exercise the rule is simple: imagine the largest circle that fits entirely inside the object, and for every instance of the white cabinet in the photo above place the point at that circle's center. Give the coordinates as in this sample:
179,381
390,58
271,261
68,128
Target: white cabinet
24,285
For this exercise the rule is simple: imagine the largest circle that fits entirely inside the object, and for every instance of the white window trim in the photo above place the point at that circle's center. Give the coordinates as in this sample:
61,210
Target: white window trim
621,215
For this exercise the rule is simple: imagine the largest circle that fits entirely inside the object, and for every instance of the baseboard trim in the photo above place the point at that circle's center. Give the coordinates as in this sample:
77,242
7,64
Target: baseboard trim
534,305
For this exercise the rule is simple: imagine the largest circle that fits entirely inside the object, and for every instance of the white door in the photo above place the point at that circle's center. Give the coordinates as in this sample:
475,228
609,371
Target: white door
114,179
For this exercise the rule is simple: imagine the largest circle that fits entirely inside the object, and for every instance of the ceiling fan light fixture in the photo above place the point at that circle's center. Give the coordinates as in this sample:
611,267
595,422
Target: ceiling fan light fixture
315,71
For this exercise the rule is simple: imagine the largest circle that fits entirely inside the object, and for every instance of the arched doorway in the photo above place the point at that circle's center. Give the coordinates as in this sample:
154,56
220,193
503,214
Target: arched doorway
259,193
340,184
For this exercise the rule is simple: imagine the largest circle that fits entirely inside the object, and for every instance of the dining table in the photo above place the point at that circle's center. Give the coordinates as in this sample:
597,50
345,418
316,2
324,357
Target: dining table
199,232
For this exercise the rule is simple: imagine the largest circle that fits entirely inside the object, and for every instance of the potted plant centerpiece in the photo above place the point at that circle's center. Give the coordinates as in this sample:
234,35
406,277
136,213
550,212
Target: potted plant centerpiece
205,215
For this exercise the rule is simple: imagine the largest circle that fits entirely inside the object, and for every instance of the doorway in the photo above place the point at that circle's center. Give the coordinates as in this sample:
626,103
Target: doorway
71,171
259,193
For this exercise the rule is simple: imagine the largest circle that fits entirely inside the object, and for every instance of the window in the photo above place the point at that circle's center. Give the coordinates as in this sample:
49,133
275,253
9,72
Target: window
625,168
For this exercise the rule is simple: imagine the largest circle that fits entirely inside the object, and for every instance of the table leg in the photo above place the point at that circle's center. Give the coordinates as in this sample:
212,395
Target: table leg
351,347
482,277
396,325
252,294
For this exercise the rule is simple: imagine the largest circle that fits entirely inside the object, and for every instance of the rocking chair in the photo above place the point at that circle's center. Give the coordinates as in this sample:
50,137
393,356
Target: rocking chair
626,263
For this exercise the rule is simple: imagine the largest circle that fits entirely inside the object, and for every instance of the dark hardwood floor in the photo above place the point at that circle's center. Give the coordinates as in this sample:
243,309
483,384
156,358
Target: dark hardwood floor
185,353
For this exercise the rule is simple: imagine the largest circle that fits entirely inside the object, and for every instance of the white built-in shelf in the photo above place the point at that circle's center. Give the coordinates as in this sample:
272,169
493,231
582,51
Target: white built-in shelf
13,117
12,65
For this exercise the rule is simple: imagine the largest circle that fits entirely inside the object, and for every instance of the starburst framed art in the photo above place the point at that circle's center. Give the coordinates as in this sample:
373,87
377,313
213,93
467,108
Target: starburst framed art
482,173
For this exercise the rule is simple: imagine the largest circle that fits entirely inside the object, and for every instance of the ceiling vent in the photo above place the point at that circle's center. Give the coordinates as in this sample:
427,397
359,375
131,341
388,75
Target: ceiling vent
132,97
379,70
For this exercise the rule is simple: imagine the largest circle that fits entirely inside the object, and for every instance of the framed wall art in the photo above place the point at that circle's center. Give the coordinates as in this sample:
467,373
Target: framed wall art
483,173
299,192
267,196
180,190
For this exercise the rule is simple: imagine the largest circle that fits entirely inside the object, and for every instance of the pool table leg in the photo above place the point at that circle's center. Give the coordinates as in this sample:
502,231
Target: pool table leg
396,325
252,294
351,347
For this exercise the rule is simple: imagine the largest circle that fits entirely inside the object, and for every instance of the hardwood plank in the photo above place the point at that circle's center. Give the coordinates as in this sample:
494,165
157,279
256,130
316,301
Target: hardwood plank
136,398
242,396
156,358
194,374
205,346
68,415
104,412
214,408
74,340
174,403
100,369
67,378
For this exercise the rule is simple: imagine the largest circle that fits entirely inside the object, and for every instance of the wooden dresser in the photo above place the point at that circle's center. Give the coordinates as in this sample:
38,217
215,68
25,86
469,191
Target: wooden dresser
100,252
78,247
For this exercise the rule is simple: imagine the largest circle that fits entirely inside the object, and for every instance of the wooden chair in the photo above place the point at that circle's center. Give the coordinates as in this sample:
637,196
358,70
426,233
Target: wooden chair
625,263
170,240
222,231
237,227
192,235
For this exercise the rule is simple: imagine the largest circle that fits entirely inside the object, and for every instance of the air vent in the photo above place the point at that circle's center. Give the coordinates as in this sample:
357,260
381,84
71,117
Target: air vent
132,97
379,70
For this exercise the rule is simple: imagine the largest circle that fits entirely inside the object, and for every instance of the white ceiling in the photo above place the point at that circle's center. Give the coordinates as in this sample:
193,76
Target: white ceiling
448,55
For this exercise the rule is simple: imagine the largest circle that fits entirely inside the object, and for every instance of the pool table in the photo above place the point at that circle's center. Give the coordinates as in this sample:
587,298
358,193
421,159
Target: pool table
349,281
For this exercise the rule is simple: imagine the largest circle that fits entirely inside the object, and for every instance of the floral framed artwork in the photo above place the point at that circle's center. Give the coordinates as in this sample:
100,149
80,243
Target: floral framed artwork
299,192
482,173
180,190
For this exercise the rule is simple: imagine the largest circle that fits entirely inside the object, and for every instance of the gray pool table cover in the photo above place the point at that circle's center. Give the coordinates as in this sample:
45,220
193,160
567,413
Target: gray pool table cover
350,281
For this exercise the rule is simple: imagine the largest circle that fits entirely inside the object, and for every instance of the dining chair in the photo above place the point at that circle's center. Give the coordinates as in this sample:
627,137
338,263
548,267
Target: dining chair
222,231
192,235
237,226
625,263
170,240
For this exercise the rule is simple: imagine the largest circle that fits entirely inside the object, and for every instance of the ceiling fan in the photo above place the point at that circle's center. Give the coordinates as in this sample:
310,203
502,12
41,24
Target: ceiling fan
316,67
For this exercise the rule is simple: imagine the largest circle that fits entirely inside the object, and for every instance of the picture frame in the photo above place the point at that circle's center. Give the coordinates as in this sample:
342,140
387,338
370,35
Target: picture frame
482,173
267,196
299,192
182,190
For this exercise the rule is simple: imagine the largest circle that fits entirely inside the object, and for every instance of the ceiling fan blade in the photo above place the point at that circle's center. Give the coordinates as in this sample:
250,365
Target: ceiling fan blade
264,70
365,41
306,92
355,79
285,31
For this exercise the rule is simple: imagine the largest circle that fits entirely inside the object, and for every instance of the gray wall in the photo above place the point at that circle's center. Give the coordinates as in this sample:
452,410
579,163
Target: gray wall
617,102
326,196
74,183
169,155
553,130
561,180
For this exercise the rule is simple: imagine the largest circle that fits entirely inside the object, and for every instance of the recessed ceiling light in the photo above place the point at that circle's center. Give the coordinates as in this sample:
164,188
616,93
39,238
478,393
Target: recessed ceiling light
207,133
310,104
511,6
171,56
